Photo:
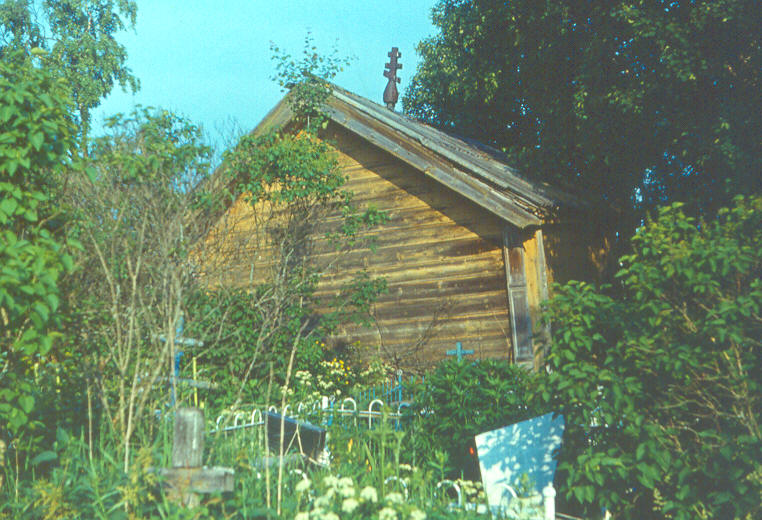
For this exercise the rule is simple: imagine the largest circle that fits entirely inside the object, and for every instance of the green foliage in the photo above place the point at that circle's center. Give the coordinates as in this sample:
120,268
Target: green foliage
70,483
290,169
307,81
153,145
133,209
660,383
461,399
74,40
19,31
35,145
237,323
639,103
301,221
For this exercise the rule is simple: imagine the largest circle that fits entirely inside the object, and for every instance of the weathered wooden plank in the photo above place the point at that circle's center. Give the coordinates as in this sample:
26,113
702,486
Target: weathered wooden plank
458,250
188,477
542,283
188,443
198,480
477,318
460,182
427,270
518,296
424,269
441,287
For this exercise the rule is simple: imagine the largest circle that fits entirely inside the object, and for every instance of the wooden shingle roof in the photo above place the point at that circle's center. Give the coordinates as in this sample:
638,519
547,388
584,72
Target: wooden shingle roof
475,171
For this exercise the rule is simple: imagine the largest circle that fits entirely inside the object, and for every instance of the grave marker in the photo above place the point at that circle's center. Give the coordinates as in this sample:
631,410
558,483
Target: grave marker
458,351
179,339
307,438
527,447
187,477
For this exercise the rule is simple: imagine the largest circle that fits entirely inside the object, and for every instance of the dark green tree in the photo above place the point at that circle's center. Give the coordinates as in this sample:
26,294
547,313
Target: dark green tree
641,103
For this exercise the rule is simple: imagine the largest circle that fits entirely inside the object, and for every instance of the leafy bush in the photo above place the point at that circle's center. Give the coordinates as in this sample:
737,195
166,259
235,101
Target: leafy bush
36,140
661,384
460,399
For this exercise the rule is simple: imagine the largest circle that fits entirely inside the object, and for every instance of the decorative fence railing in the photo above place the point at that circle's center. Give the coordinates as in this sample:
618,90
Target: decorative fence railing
322,411
540,506
396,390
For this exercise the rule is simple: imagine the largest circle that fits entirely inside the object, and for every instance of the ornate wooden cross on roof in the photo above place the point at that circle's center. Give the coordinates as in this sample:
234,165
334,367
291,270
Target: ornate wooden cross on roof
390,92
458,351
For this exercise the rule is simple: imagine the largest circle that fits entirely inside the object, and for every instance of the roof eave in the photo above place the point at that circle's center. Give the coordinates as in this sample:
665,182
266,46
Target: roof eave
440,169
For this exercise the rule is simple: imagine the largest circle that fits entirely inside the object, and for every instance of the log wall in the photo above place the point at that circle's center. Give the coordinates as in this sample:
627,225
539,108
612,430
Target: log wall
440,254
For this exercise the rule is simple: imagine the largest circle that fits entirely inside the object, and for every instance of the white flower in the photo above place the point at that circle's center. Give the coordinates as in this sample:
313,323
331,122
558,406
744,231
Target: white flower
302,516
387,513
394,498
324,500
346,487
330,515
370,494
349,505
303,485
331,481
417,514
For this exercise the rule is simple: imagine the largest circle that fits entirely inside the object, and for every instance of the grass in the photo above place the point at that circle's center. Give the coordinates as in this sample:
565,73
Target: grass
369,477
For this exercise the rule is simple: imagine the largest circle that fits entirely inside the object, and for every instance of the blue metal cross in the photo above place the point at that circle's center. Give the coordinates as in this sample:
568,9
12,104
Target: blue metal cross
180,340
458,351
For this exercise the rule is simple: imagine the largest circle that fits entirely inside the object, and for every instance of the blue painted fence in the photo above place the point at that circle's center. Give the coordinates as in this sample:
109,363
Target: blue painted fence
394,391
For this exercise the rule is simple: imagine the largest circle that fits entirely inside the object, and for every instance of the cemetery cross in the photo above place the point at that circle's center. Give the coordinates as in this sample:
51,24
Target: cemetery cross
459,351
180,340
187,477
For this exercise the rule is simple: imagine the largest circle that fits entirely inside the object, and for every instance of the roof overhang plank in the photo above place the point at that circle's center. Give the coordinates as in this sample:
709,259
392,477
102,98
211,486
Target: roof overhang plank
449,148
417,156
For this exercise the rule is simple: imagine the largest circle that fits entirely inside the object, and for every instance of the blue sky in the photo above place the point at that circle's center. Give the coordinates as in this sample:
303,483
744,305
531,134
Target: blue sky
210,61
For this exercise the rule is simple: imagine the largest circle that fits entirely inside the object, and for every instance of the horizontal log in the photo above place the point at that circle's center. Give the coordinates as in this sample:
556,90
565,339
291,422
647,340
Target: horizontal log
412,252
416,295
199,480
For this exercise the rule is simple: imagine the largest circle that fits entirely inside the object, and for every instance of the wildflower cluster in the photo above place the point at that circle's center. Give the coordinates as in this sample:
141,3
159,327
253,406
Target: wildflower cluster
340,498
329,378
473,491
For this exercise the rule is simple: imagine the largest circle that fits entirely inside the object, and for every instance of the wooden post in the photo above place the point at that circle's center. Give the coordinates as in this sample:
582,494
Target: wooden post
518,297
549,502
187,477
188,445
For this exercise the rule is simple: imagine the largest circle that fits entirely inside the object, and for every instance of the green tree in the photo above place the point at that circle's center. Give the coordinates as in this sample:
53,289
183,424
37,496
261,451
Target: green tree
36,143
136,220
641,103
661,385
19,32
79,36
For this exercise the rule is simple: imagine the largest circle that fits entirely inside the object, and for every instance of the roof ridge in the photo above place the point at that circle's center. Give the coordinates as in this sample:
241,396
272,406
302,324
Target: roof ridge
463,151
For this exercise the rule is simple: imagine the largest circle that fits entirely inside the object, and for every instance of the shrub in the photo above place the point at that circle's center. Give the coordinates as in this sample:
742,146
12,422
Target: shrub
460,399
661,384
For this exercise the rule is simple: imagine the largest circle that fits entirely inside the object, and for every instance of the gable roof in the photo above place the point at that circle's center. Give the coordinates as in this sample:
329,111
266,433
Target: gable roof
475,171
